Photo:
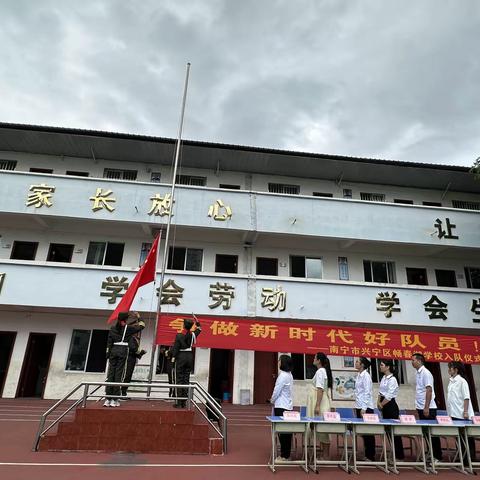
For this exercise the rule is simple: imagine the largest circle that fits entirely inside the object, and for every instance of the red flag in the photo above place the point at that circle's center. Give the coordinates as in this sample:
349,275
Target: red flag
145,275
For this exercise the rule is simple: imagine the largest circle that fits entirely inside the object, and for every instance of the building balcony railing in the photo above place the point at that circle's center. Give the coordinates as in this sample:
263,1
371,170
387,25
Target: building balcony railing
29,285
262,212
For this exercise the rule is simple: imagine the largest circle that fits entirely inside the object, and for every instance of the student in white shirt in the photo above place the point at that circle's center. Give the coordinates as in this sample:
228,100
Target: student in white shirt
459,403
425,398
318,397
364,401
386,402
282,399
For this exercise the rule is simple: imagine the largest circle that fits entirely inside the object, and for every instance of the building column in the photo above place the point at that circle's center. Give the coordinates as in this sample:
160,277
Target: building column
243,374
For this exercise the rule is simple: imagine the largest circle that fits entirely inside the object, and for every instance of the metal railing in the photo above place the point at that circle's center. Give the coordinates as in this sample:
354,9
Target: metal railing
197,397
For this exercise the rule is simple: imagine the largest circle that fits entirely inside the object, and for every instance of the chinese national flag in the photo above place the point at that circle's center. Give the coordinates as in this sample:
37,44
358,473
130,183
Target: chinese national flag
145,275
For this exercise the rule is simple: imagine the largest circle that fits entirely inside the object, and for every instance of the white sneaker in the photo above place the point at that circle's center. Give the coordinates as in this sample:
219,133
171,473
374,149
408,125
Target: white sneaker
113,403
117,403
107,403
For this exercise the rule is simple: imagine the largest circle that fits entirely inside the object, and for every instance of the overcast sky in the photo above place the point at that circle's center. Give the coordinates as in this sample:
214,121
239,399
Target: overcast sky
371,78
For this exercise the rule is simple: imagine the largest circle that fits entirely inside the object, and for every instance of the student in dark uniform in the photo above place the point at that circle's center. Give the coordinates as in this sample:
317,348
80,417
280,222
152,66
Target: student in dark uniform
182,358
165,366
117,353
134,354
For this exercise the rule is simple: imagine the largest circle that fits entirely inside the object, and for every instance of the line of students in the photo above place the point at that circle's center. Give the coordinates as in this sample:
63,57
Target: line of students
459,405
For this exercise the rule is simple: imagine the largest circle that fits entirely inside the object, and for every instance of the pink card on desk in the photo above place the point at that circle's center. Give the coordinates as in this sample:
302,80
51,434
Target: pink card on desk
292,416
408,419
331,416
476,420
444,420
371,418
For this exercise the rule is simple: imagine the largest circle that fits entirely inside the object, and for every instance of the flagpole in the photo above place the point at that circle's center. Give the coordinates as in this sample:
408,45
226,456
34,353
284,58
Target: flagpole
169,221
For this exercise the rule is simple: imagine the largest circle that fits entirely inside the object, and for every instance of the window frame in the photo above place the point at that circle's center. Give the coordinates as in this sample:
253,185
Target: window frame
281,188
190,180
5,164
87,354
305,258
172,248
23,259
60,245
266,274
468,278
390,269
310,357
105,253
373,197
122,173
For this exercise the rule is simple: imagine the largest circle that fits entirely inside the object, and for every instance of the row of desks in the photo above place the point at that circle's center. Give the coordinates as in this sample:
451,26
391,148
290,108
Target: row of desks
421,432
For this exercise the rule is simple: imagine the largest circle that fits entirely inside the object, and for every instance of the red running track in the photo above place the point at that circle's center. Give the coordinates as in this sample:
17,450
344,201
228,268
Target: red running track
247,457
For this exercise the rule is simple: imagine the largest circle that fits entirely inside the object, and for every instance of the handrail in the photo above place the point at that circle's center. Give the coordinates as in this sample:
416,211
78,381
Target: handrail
195,390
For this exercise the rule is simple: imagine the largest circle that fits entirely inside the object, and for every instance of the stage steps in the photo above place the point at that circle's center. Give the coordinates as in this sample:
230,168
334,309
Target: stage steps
134,427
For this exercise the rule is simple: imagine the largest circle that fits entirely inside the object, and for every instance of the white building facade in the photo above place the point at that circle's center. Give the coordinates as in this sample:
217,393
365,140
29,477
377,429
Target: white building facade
79,211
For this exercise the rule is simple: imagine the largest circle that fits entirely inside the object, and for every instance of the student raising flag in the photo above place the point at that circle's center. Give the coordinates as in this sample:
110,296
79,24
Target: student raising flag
145,275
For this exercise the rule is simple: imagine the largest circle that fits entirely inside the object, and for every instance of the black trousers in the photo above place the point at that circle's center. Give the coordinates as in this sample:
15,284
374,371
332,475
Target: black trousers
437,449
115,373
368,440
183,368
171,391
131,362
391,411
285,438
471,445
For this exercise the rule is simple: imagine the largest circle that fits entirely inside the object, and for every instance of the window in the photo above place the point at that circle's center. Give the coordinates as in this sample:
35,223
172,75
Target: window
8,164
284,188
229,187
417,276
321,194
24,250
405,202
306,267
377,375
155,177
181,258
226,263
382,272
347,193
87,351
372,197
472,275
465,204
432,204
343,268
116,174
76,174
303,367
41,170
191,180
446,278
267,266
60,252
145,250
105,253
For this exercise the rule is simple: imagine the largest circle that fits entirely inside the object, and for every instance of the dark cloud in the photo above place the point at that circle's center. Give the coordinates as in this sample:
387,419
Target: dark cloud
369,78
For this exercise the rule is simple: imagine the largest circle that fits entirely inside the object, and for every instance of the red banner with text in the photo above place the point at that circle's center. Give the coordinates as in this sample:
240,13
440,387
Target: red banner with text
301,337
